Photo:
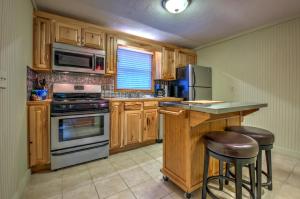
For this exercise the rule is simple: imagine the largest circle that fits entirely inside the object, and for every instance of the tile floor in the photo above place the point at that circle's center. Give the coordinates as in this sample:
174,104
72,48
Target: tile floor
136,175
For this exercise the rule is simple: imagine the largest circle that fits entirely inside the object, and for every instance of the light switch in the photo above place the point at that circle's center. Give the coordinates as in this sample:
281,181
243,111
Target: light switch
3,79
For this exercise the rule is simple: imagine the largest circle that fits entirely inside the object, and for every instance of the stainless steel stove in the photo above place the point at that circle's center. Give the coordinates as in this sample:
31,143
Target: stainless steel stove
79,125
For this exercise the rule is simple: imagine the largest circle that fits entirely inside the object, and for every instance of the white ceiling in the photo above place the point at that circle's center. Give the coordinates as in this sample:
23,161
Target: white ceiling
204,21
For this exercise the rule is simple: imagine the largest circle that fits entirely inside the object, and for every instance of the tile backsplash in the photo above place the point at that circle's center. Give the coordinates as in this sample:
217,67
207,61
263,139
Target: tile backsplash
106,82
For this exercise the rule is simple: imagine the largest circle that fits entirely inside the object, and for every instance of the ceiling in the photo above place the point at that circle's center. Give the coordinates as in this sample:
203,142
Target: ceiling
204,21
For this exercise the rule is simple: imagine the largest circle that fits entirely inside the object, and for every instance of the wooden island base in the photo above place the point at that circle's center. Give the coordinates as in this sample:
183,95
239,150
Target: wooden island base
183,149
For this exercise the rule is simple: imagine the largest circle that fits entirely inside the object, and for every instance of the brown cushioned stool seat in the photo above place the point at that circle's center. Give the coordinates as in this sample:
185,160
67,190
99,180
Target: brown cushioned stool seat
265,140
231,144
233,148
262,136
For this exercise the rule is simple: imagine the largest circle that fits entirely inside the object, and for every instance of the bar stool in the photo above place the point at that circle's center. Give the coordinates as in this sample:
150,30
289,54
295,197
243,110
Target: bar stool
265,141
234,148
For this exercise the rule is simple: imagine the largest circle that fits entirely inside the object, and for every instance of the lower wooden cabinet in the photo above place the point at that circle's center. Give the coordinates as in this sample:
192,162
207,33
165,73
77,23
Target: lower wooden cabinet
150,125
132,127
132,124
38,134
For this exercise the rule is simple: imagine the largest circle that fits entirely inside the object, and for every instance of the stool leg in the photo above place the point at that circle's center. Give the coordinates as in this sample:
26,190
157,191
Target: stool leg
221,168
252,178
238,180
258,175
227,173
205,174
269,169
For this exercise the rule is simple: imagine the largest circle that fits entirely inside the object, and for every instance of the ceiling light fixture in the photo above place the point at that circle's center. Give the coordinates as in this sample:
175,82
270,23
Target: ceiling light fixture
175,6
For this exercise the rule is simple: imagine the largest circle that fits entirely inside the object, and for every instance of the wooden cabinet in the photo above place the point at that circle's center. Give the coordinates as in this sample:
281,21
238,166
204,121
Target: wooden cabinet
150,122
168,64
133,127
93,38
184,58
41,44
111,54
68,33
38,134
115,125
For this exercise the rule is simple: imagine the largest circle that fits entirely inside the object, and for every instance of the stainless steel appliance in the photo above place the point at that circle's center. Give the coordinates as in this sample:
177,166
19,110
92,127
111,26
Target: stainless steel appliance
77,59
194,82
79,125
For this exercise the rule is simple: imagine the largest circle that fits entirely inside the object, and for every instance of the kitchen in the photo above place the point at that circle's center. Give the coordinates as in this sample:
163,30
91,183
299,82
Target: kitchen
166,101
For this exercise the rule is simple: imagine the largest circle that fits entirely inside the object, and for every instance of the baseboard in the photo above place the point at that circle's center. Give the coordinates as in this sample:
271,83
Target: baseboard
22,185
287,152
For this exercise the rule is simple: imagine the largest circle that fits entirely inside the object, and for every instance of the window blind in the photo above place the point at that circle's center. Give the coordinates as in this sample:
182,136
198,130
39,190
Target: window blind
134,69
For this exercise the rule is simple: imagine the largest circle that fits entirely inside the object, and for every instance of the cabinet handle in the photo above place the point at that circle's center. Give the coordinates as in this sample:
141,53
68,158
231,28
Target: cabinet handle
172,112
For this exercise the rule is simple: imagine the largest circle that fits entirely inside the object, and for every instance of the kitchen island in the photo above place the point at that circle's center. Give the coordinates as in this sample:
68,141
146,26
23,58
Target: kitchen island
184,125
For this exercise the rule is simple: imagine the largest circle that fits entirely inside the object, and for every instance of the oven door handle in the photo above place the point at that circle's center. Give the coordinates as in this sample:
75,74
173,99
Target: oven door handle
68,152
79,116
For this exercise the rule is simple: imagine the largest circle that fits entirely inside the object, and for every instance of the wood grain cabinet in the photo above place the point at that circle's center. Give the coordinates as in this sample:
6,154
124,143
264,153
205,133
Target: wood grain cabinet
38,134
184,58
41,44
111,54
150,125
168,69
132,127
93,38
67,33
115,125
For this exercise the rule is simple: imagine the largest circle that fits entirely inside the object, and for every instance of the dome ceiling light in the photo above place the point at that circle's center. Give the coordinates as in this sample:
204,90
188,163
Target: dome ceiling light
175,6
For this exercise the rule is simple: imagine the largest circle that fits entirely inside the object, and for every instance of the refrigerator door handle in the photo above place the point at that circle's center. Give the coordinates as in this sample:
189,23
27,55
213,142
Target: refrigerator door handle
194,93
194,77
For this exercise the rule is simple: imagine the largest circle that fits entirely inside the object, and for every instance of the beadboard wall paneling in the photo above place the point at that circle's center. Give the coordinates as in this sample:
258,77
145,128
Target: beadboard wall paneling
15,55
262,66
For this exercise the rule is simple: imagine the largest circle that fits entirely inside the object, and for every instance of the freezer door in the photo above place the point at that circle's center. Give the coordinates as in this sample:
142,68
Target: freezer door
200,93
200,76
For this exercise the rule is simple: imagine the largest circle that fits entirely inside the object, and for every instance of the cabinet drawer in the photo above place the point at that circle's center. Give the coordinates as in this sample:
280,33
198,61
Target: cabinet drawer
150,104
133,105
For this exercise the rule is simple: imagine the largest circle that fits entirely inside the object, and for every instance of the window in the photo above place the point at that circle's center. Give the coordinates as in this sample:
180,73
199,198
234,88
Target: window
134,69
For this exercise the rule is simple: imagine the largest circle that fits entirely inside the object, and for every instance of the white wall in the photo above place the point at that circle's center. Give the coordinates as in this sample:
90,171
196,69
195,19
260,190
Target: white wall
262,66
15,55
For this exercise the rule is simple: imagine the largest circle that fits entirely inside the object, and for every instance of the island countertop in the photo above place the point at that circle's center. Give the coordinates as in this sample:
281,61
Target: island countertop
215,108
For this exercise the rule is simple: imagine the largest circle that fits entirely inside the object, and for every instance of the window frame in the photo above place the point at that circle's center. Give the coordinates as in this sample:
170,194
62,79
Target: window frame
137,49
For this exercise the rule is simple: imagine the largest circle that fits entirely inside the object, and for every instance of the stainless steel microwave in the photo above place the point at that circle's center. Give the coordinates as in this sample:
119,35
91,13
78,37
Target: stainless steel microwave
77,59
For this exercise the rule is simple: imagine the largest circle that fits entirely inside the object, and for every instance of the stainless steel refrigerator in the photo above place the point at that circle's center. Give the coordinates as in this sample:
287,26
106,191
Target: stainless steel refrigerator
194,82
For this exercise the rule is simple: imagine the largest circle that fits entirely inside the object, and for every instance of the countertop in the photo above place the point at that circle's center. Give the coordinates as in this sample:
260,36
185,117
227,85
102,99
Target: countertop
218,108
160,99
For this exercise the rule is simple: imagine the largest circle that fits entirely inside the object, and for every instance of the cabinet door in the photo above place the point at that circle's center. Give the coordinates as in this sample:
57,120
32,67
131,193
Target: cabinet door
133,127
184,58
41,44
93,38
68,33
150,125
168,64
111,54
115,126
39,148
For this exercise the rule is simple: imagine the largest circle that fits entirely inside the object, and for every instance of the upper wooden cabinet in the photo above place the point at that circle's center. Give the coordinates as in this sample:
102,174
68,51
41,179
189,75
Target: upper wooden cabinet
111,54
93,38
133,127
38,121
68,33
150,125
168,64
41,44
184,58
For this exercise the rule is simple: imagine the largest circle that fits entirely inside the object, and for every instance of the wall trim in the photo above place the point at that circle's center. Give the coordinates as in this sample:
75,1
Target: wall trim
245,33
22,185
34,5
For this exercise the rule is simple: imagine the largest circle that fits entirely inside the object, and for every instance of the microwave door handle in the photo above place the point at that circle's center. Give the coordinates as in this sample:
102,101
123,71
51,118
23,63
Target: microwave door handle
94,62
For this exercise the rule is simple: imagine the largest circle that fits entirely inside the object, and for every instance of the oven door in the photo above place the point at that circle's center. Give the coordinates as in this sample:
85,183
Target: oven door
79,130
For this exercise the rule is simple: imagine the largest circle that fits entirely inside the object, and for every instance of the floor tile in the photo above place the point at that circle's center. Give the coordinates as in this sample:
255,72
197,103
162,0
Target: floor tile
127,194
149,190
73,180
288,192
134,176
294,178
83,192
124,164
110,186
45,190
103,171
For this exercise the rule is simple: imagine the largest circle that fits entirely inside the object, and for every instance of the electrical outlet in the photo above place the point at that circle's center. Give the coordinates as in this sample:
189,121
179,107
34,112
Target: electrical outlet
3,79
